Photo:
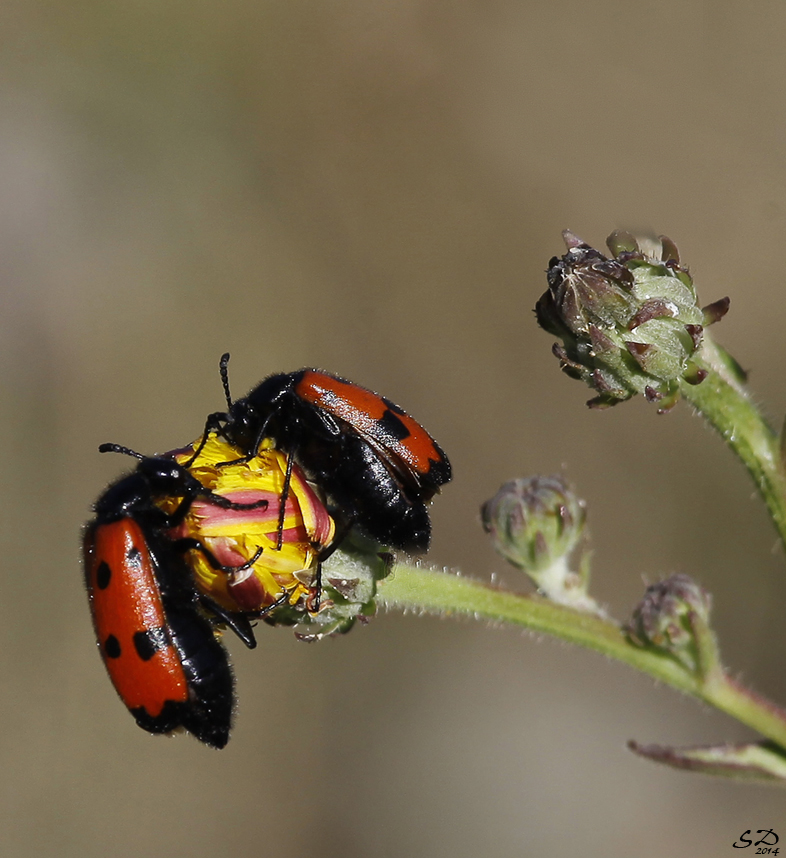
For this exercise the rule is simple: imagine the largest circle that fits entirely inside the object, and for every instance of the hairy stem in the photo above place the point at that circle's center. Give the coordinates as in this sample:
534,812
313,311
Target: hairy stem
431,591
725,402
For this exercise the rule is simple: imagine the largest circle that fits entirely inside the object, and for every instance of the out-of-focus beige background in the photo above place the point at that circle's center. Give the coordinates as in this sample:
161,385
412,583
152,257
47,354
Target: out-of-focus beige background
376,189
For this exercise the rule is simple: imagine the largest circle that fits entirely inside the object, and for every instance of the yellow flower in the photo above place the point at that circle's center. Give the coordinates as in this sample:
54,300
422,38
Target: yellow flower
235,536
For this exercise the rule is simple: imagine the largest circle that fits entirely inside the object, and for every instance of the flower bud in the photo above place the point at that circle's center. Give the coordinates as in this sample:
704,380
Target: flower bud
630,324
349,578
535,521
673,618
234,536
535,524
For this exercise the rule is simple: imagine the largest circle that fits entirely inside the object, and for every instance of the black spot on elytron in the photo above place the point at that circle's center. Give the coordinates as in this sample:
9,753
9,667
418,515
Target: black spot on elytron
391,424
133,554
149,642
112,647
392,406
103,575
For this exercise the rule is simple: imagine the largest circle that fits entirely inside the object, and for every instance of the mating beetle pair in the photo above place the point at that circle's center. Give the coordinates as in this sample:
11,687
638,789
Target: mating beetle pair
377,467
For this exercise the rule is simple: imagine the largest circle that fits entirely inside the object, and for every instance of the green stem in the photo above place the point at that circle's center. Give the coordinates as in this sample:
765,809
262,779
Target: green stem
420,589
725,402
746,706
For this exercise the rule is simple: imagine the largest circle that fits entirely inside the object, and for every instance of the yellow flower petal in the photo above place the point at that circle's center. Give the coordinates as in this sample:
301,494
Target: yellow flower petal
235,536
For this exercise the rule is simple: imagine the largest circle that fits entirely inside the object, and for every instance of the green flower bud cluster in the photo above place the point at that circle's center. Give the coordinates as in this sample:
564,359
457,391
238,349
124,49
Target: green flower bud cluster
628,324
673,617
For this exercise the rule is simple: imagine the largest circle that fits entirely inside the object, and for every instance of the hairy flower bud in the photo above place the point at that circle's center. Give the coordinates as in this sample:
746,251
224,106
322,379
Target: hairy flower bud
534,521
535,524
350,577
630,324
673,617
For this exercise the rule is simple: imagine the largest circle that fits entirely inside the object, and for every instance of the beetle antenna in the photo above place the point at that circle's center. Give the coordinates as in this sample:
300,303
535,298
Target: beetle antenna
222,368
116,448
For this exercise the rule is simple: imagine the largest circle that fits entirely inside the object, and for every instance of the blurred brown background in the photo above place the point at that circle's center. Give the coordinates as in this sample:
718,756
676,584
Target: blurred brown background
376,189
